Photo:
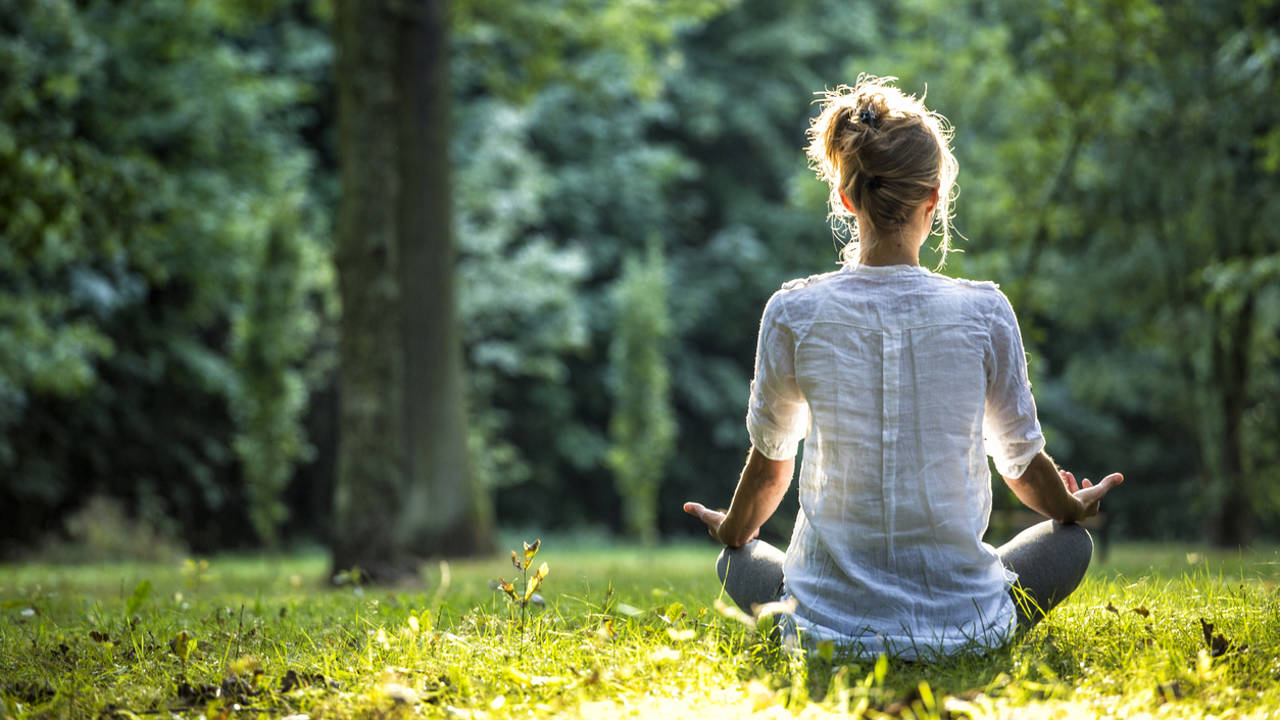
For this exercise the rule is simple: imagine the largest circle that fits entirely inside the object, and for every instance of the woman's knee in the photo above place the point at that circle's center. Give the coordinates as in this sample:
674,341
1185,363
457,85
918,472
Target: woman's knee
752,573
740,557
722,564
1077,544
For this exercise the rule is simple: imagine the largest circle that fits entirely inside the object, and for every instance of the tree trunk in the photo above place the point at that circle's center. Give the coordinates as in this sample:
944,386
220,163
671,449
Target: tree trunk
1232,521
444,513
402,489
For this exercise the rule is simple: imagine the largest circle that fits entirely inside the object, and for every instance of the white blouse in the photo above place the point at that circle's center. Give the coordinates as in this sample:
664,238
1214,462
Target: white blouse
899,378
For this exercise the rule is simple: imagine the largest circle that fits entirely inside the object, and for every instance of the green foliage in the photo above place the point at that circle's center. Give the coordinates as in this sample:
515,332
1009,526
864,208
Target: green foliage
552,186
517,50
626,631
166,291
273,336
518,292
140,593
643,426
162,277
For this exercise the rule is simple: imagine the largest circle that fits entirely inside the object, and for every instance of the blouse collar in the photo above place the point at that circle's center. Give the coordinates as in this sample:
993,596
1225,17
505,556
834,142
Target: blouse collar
886,270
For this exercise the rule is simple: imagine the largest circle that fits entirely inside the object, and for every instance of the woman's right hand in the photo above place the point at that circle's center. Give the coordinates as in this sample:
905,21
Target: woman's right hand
714,520
1088,494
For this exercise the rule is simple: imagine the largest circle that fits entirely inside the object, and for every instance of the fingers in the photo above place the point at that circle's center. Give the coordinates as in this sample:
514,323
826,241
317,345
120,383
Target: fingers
711,517
1105,484
1094,493
700,511
1113,479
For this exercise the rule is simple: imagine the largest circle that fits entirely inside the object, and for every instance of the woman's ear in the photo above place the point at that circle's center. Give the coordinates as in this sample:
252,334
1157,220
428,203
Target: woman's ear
849,206
934,197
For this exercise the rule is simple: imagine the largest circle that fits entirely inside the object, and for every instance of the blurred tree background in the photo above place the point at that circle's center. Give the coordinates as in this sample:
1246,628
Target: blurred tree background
169,305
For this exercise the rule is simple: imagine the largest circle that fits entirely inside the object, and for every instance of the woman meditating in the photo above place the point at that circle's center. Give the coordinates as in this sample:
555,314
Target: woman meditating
902,382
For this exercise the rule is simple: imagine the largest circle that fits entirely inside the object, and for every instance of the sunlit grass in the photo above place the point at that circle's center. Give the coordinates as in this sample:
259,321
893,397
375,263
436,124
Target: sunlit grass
625,632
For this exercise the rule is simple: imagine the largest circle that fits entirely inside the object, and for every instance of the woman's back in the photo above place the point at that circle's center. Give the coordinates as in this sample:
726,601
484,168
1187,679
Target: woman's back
893,363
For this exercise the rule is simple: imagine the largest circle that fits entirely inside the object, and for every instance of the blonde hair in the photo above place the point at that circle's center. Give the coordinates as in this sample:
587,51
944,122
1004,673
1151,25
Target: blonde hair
887,152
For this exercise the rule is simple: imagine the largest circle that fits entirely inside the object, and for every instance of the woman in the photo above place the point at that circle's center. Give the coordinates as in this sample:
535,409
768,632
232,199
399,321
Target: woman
902,381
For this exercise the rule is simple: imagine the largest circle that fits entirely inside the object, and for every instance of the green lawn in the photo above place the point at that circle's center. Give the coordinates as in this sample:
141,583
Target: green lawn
624,633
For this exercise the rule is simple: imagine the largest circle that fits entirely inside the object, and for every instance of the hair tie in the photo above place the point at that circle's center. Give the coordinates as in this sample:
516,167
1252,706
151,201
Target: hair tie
874,182
867,116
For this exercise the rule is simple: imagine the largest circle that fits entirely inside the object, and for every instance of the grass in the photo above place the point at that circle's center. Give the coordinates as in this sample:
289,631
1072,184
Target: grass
624,633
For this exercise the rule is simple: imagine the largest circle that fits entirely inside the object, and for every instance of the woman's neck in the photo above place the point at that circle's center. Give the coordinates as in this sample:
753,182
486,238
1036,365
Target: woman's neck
889,251
902,248
881,255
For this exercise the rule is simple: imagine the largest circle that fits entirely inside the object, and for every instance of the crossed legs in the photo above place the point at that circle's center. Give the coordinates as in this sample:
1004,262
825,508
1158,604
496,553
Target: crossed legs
1050,559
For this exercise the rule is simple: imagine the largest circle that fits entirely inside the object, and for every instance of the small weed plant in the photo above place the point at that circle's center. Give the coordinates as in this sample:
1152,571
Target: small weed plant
527,593
623,633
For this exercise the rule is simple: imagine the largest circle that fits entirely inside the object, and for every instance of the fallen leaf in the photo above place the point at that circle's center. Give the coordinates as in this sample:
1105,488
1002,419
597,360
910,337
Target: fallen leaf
197,694
628,610
293,680
182,645
1217,643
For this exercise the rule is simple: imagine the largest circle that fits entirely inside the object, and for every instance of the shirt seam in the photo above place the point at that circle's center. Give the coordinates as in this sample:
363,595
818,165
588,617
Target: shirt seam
971,324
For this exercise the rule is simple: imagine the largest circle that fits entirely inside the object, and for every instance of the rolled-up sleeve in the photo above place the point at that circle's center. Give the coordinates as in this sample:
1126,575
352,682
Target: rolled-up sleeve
1010,429
777,414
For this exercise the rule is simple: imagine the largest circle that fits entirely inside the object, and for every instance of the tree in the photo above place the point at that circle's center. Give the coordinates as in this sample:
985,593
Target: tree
403,485
642,428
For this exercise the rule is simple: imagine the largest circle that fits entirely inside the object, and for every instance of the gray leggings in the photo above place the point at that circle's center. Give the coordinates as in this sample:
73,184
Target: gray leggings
1050,559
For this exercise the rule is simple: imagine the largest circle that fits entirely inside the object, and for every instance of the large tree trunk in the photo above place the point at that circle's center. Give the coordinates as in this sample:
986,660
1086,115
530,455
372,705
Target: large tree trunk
402,490
444,513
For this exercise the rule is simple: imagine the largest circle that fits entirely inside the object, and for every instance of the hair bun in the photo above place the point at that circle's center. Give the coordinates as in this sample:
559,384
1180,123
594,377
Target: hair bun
884,153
